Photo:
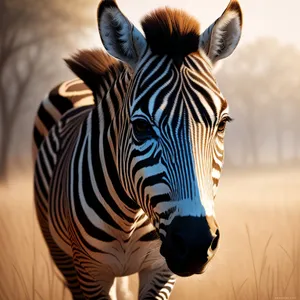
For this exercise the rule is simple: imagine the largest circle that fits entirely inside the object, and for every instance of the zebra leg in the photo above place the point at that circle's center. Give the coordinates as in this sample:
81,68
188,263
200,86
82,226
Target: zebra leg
63,262
95,280
156,283
122,288
65,265
113,291
92,288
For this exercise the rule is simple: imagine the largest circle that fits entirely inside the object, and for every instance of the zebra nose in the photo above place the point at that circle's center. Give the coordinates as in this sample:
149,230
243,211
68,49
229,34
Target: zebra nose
189,244
178,241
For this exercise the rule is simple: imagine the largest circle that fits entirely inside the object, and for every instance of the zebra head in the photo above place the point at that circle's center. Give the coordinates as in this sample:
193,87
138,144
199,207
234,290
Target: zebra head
172,123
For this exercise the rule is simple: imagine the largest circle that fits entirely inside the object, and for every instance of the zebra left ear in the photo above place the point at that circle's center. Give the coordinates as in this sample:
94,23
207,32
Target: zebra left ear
119,36
221,38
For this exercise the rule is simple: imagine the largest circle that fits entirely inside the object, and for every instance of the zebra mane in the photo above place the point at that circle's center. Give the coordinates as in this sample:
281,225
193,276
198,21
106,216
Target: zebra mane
172,32
93,66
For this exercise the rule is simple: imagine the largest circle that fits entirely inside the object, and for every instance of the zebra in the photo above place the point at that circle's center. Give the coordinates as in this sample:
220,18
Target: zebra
67,95
127,183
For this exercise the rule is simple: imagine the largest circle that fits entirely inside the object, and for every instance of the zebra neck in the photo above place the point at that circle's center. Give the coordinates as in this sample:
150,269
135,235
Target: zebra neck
111,87
104,131
96,188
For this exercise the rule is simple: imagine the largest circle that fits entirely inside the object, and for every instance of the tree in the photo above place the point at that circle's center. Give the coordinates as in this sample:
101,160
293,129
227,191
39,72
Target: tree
262,84
30,32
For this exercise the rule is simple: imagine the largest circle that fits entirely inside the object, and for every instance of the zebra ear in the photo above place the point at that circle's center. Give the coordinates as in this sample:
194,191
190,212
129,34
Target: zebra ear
119,36
221,38
91,66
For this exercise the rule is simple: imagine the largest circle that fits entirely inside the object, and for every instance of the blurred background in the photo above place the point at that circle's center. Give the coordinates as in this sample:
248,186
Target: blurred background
259,195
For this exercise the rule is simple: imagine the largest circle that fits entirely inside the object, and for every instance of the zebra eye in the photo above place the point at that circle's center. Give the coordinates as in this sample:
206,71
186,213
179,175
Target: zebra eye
221,127
142,129
222,124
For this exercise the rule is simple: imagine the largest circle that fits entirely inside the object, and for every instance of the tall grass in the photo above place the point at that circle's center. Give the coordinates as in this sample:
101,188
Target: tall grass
271,261
26,269
266,280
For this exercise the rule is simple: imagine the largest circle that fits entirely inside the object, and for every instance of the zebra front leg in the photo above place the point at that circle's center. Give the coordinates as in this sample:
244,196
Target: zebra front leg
62,261
156,283
95,281
65,265
122,288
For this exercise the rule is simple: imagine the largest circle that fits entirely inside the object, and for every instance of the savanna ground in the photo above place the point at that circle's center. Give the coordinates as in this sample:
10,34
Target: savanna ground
259,257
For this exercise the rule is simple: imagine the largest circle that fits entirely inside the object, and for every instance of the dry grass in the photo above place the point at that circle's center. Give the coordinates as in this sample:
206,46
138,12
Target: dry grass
259,258
25,267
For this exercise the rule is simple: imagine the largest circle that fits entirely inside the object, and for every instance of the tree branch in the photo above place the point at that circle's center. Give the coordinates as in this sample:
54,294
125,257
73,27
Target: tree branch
33,62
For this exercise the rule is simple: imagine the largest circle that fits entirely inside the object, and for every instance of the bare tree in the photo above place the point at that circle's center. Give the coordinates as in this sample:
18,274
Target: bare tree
30,32
262,85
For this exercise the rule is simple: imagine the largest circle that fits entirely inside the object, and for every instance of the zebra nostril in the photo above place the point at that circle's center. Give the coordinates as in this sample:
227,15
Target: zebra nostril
215,241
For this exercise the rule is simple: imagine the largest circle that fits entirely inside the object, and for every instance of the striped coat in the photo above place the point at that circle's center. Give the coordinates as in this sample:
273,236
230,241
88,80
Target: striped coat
126,183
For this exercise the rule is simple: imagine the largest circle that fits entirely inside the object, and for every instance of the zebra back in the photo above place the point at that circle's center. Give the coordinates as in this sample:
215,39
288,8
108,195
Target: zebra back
64,97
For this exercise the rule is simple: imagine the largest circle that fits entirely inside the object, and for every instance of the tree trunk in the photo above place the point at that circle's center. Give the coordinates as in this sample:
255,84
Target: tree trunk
253,145
296,142
4,148
279,145
278,134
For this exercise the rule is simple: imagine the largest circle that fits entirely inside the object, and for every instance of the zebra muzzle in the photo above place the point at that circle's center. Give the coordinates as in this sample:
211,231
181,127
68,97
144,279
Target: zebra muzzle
189,245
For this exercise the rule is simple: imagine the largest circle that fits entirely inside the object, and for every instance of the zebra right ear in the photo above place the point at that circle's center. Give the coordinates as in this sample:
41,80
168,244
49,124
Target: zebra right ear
221,38
119,36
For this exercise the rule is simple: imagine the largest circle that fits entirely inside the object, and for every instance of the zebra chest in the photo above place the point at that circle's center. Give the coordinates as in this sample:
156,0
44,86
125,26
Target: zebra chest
126,258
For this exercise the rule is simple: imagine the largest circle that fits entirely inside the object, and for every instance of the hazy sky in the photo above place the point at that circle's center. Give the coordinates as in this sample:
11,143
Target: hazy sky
261,17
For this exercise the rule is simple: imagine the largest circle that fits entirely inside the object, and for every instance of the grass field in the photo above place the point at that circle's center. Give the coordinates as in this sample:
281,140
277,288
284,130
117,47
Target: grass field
259,258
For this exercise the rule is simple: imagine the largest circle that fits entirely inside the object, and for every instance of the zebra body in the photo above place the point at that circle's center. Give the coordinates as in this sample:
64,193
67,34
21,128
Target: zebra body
74,99
127,184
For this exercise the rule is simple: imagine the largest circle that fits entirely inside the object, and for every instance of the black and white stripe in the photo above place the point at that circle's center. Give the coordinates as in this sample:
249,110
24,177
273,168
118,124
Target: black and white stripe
113,178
